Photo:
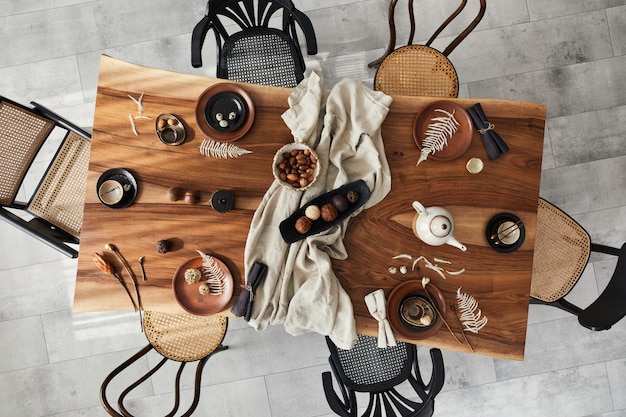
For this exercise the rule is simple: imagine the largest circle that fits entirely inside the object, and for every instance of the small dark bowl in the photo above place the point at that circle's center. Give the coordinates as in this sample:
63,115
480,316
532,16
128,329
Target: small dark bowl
514,240
413,307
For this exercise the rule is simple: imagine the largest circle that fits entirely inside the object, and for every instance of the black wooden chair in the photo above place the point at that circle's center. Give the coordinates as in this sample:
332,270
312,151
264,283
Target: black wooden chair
366,368
53,212
182,338
562,250
248,48
420,70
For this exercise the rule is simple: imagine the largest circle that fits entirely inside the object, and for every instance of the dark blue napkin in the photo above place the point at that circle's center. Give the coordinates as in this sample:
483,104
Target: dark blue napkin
493,143
243,305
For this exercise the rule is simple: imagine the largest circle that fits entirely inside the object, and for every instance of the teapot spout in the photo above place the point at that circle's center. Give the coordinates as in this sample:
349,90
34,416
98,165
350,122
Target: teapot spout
452,241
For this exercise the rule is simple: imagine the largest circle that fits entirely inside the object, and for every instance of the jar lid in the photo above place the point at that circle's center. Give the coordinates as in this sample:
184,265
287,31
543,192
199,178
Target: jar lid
222,201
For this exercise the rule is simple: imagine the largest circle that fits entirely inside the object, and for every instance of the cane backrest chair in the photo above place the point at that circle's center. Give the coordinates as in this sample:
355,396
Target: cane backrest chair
183,338
53,212
378,372
421,70
256,40
562,250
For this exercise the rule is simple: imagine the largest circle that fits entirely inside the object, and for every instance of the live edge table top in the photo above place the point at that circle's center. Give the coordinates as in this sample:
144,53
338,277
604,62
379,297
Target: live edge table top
500,282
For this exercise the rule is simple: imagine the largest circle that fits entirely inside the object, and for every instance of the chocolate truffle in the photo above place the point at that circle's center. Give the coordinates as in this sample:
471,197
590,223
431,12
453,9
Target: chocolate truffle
341,202
352,196
303,224
329,212
204,289
312,212
192,275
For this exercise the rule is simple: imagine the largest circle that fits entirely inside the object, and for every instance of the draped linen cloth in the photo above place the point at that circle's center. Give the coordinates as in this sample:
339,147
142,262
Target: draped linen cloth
301,290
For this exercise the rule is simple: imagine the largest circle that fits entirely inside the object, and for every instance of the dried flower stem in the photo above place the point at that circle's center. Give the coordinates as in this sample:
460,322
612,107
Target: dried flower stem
130,272
458,321
425,281
106,267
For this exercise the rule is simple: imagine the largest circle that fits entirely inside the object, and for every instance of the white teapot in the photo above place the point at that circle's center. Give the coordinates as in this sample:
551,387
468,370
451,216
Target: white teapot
434,226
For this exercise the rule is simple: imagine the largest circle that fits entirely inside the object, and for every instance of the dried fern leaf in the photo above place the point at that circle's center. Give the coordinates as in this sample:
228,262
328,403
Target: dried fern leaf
214,149
470,313
437,134
216,278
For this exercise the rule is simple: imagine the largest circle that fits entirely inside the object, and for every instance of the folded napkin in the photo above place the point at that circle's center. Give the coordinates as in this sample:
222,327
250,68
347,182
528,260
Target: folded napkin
493,143
301,290
377,307
243,305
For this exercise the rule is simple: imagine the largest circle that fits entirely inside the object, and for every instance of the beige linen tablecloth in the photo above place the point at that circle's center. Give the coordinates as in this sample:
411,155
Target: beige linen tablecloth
301,290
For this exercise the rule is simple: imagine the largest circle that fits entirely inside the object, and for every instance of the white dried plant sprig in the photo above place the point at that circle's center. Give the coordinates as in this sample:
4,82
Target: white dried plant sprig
428,264
214,149
138,102
470,313
216,278
438,133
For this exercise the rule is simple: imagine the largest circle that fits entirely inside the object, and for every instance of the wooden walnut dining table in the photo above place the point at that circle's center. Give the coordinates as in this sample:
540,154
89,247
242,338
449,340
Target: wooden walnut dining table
500,282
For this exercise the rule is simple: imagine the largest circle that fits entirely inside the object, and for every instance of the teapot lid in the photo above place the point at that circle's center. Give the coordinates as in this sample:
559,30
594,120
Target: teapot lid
440,226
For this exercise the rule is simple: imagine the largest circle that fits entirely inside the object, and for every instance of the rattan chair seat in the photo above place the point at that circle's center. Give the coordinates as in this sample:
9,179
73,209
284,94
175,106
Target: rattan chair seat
184,337
21,135
262,56
417,70
61,195
562,250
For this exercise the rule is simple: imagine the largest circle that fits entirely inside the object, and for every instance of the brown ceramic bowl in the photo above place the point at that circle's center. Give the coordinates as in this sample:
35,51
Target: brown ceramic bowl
400,295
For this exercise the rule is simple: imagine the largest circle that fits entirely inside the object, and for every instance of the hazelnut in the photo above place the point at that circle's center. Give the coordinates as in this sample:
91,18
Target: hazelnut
172,122
161,123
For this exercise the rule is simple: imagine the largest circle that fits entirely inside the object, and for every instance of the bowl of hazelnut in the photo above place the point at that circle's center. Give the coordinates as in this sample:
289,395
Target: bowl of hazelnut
296,166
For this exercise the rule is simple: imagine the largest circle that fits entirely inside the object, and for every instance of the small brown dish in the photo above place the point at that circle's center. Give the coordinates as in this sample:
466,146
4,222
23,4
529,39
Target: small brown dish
400,297
216,104
460,140
188,295
170,130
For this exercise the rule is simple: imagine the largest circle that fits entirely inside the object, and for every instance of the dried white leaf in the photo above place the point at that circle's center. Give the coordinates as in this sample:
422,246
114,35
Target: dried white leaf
402,256
470,313
216,278
437,134
214,149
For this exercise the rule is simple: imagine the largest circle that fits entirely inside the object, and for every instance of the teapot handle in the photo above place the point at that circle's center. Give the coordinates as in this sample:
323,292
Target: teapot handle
419,207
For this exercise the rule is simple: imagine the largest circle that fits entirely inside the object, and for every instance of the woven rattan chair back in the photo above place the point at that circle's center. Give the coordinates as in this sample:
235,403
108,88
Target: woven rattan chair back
182,338
366,368
562,249
55,208
420,70
256,40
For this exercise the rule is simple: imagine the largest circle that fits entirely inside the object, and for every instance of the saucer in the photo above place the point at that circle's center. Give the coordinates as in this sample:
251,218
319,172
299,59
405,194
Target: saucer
508,237
116,188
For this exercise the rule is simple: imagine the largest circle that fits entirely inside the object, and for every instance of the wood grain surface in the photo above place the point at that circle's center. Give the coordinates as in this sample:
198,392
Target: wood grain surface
500,282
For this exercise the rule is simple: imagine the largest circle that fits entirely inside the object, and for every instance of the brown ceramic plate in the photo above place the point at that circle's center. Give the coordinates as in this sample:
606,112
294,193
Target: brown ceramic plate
224,98
394,302
189,297
460,140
